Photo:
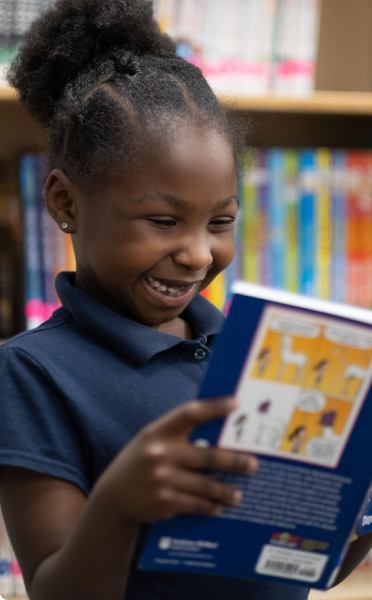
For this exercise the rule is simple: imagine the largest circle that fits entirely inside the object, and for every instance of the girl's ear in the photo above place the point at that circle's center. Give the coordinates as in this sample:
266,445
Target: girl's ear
60,197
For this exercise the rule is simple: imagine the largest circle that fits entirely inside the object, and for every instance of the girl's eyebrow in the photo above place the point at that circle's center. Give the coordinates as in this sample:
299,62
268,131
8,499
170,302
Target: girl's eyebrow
179,202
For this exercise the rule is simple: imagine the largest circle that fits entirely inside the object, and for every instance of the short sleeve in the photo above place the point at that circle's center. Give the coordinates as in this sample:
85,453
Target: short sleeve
36,431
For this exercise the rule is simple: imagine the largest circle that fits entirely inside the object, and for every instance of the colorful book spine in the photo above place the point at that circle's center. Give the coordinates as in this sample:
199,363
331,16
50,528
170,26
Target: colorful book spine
307,191
29,184
291,199
354,275
250,216
323,225
263,209
338,191
276,218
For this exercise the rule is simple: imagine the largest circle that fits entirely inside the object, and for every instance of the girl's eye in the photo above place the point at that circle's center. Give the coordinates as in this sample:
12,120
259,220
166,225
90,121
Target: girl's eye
222,223
163,223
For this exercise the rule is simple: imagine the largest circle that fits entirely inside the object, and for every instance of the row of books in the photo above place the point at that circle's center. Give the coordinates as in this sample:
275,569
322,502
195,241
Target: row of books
16,17
247,47
47,250
305,225
11,580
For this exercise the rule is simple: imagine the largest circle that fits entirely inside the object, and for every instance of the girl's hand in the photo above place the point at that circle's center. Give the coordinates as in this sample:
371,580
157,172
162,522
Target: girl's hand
156,475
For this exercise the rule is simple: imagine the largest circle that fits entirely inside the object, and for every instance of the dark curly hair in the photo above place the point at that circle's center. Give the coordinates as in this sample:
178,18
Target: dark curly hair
100,76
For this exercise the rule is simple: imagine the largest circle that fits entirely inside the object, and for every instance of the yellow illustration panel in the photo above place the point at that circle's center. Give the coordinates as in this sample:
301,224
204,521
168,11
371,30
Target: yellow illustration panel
285,358
312,433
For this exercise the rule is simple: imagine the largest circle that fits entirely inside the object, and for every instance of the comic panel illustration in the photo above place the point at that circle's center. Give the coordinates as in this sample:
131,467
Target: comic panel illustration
303,384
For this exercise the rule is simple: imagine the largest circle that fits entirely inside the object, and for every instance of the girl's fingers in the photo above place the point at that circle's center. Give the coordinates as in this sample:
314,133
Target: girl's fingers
216,459
205,487
185,418
190,504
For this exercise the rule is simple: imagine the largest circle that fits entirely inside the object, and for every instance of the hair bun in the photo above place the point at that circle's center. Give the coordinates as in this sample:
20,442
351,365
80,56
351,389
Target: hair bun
73,34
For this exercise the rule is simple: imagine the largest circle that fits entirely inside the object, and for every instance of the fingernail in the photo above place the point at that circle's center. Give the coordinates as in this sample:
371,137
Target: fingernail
237,497
252,465
231,402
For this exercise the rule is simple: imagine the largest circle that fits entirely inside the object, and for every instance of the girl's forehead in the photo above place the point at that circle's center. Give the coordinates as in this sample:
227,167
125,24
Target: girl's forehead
189,163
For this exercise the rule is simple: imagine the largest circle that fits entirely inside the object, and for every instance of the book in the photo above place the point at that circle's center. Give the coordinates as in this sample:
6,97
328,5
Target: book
301,371
31,202
323,225
307,192
276,218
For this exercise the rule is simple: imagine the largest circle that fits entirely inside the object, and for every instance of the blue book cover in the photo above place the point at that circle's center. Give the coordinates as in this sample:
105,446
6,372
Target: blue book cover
339,191
305,414
306,222
30,194
277,217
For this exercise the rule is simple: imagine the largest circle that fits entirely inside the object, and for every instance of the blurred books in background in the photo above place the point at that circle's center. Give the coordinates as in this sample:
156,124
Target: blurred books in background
47,250
244,47
16,17
304,225
247,47
11,580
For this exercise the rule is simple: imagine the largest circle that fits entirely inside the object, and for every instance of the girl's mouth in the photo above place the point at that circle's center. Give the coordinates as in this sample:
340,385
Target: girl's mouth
169,294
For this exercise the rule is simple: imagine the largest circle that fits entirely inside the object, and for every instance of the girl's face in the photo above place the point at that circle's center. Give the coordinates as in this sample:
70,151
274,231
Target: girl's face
146,246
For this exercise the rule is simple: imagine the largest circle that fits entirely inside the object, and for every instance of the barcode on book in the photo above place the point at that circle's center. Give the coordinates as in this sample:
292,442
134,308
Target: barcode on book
291,564
274,565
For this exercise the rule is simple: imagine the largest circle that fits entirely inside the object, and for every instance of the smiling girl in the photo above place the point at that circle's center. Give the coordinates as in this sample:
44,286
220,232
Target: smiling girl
97,403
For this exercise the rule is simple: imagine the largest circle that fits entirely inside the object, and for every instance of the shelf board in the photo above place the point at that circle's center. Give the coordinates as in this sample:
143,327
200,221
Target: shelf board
351,103
358,586
7,93
319,102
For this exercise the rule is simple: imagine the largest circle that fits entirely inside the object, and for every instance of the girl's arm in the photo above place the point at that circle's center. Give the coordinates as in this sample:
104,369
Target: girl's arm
68,545
357,550
79,548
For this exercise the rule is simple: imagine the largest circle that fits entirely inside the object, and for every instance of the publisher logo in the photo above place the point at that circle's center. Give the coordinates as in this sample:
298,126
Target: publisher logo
164,544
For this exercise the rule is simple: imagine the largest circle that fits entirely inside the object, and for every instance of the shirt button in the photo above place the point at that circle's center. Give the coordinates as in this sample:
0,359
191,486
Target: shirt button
200,354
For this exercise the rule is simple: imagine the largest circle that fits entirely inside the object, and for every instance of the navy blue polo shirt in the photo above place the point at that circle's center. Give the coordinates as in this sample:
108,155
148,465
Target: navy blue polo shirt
74,391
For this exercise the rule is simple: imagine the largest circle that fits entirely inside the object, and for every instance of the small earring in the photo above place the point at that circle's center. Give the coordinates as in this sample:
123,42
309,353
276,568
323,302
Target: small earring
64,225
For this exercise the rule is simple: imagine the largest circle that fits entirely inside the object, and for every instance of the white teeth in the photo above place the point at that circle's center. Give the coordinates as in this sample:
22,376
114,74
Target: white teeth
162,288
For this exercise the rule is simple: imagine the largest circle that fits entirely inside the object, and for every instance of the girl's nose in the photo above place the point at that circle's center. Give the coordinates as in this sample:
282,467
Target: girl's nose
194,253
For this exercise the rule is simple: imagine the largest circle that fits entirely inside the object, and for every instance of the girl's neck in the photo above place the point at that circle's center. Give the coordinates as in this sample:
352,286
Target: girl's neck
178,327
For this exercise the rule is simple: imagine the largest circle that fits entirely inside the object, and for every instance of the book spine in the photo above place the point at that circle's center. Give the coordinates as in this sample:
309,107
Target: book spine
250,218
307,182
217,291
263,219
365,231
307,47
34,305
354,275
277,218
338,225
323,225
291,198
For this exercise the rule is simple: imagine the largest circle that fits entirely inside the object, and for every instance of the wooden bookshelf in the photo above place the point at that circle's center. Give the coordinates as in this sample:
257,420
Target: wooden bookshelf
347,103
358,586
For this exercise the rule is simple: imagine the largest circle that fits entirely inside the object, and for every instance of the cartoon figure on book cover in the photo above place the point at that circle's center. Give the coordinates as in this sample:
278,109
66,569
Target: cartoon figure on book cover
288,357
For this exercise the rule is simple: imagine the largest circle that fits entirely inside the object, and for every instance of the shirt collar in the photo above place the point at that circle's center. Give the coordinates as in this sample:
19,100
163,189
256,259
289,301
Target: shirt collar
137,342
